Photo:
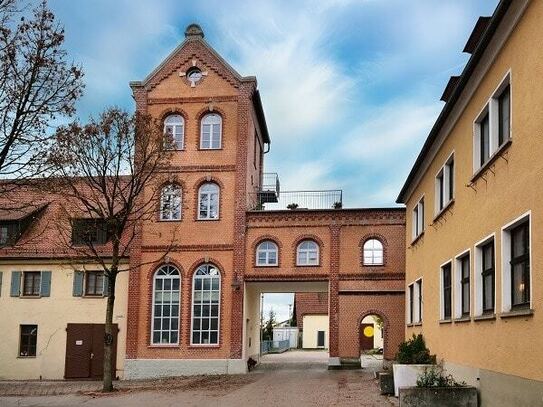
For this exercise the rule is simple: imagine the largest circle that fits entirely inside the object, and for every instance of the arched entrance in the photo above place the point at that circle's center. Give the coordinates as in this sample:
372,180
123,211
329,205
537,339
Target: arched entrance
372,334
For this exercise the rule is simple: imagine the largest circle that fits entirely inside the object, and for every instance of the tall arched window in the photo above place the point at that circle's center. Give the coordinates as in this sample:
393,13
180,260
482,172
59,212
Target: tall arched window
174,132
165,322
170,202
211,132
206,296
266,253
373,252
208,201
307,253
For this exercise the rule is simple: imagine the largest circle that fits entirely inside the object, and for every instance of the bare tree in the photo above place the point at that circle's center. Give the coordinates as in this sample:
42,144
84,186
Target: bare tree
109,171
38,86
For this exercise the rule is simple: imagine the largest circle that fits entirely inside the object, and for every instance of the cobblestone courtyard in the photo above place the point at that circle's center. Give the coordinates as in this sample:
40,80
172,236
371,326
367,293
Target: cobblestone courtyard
290,379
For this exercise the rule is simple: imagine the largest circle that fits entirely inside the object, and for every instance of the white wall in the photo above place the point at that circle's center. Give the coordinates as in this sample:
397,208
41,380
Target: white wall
312,324
286,333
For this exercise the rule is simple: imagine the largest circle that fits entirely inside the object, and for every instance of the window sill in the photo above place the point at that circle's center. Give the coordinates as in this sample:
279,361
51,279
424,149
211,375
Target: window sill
210,149
445,321
307,265
196,346
94,296
414,324
485,317
26,357
169,220
462,319
157,346
490,161
445,209
373,265
207,220
416,239
266,266
527,312
30,297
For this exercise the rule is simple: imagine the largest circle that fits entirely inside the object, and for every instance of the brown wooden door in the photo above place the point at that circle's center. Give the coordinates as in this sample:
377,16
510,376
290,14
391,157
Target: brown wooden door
85,351
366,337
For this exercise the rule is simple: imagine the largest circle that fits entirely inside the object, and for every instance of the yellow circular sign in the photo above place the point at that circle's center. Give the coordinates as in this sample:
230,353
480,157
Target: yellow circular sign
368,331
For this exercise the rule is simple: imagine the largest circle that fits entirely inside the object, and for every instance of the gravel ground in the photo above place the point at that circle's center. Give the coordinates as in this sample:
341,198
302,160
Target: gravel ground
290,379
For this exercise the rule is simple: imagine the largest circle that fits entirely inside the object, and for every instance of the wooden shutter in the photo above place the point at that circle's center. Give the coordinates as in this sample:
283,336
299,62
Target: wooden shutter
15,283
45,289
78,283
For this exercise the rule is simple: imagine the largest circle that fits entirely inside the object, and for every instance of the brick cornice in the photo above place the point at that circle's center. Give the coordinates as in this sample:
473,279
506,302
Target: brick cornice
198,168
185,100
187,248
372,276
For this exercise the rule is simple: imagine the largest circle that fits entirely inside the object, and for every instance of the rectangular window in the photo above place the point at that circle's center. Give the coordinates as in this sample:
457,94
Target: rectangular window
520,266
445,185
446,281
89,232
484,129
465,285
504,115
31,283
418,219
411,299
488,276
94,283
419,298
27,341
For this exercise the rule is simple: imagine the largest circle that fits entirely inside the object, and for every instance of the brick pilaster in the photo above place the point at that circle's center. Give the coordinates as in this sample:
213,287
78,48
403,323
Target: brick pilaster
335,231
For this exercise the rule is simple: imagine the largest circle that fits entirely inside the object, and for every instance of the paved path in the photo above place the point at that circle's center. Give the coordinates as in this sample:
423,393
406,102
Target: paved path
282,380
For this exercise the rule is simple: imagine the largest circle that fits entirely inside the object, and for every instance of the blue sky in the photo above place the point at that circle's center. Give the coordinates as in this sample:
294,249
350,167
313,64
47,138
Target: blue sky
350,87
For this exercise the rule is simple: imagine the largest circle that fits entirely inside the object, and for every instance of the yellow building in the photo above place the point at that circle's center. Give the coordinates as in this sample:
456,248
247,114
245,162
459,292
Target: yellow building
475,215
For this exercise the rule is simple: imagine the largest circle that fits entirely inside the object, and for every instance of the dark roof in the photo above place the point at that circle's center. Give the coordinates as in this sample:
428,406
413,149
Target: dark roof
476,35
453,81
259,110
493,24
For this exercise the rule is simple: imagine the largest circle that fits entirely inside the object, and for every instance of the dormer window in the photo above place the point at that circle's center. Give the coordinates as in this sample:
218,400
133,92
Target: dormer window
89,232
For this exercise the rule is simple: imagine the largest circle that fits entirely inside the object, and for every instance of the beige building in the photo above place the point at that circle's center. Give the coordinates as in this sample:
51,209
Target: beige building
315,334
475,215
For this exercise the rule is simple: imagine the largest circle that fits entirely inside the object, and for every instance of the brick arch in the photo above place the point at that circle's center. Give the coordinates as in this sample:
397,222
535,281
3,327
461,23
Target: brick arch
386,328
172,111
299,240
204,260
210,109
197,186
261,239
383,241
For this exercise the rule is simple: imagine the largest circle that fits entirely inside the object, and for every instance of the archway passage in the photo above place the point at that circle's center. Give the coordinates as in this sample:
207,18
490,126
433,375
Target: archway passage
372,341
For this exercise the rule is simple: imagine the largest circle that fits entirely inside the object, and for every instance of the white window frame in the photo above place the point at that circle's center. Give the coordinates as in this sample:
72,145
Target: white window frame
153,316
372,251
267,251
444,192
477,274
194,277
168,190
408,308
418,283
176,144
303,255
209,194
442,291
506,258
492,108
417,221
457,283
212,126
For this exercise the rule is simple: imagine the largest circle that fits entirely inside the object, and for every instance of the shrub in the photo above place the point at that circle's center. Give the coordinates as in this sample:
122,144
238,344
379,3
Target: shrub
434,376
415,352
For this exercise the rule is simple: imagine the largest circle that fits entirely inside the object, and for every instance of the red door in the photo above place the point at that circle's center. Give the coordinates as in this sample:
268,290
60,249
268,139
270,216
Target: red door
366,337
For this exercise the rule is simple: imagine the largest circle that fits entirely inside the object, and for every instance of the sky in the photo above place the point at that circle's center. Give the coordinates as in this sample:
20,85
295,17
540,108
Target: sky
350,88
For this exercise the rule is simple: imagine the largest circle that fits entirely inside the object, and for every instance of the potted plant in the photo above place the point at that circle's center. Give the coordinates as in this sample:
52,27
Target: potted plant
292,206
434,388
412,358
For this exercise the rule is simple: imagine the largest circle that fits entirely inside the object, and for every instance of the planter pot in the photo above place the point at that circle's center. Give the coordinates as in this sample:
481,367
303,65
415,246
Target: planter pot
406,375
464,396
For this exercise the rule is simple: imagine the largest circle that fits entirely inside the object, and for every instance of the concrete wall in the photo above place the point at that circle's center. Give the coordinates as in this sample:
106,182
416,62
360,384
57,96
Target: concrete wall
286,334
251,337
313,324
52,314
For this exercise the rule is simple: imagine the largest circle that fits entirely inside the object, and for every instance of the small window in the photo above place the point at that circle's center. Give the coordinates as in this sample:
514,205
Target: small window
411,305
418,219
445,185
484,129
373,252
488,277
418,290
463,286
31,283
94,283
206,296
519,265
28,340
307,253
446,291
89,232
165,321
504,115
170,202
210,137
194,75
208,202
267,254
174,132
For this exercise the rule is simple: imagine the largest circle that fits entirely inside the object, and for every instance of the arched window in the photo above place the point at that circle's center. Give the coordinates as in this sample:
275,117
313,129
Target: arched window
174,132
206,295
208,201
373,252
266,254
211,132
165,322
307,253
170,202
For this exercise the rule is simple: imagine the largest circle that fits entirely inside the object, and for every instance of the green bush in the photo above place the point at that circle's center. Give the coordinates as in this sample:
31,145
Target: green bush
415,352
434,376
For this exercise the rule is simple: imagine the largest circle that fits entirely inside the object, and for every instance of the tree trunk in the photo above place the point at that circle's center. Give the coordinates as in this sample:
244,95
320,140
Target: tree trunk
108,336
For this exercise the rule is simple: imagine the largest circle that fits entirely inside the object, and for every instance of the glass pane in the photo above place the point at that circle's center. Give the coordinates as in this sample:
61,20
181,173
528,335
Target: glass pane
175,324
196,324
207,284
197,310
213,337
215,310
519,285
488,291
156,337
205,310
215,283
214,323
205,337
175,284
198,284
205,324
196,337
174,337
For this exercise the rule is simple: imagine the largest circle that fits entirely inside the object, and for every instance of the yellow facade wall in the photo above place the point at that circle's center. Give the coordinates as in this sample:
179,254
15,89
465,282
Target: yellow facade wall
510,188
313,324
51,315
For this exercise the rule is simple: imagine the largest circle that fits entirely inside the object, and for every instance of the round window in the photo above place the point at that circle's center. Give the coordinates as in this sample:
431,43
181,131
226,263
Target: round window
194,75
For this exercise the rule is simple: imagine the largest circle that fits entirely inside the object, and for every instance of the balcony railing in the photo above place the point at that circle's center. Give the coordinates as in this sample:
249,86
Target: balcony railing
300,200
269,190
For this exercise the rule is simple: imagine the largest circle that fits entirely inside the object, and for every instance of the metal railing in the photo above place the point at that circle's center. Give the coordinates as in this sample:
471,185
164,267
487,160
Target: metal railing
270,182
299,200
274,346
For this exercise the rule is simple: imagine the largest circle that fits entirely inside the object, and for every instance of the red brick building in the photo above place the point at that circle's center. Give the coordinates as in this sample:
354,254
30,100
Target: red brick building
197,311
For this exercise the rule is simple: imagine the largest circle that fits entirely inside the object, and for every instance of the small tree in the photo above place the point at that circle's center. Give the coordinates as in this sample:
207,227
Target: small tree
37,86
268,328
108,171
